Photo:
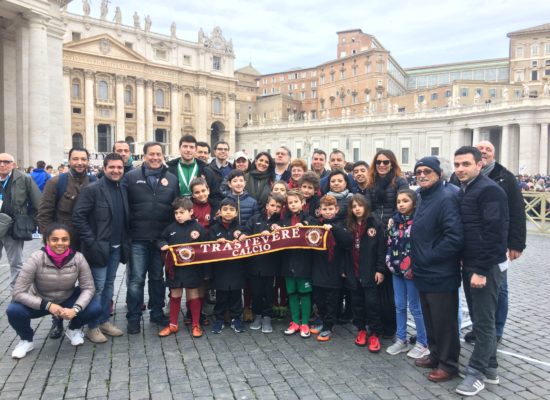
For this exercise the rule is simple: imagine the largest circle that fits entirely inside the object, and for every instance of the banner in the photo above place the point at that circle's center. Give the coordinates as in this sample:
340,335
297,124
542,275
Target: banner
304,237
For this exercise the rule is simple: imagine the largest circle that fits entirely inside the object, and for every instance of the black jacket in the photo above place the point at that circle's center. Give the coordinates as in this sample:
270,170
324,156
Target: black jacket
297,262
484,209
328,274
204,172
150,211
93,220
384,211
216,173
437,239
266,264
372,254
230,274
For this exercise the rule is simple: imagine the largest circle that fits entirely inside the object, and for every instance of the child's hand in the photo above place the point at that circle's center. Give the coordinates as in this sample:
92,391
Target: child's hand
390,223
299,225
328,227
275,227
379,278
243,237
221,240
264,233
343,275
164,248
237,234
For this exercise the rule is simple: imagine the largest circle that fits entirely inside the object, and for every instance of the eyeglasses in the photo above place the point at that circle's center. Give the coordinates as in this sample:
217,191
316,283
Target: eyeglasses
424,172
6,161
385,162
221,149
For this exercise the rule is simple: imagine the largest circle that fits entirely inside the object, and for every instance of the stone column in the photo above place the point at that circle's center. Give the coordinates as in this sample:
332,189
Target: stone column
140,114
475,136
175,129
67,96
39,104
543,148
120,133
231,117
89,111
148,110
202,115
529,136
504,158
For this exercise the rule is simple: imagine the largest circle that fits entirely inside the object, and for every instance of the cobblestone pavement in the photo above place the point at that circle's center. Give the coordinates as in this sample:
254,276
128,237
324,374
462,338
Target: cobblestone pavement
255,365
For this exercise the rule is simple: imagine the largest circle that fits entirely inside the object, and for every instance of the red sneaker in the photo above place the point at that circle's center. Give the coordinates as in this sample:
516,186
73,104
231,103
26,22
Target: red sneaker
292,328
361,339
304,331
374,343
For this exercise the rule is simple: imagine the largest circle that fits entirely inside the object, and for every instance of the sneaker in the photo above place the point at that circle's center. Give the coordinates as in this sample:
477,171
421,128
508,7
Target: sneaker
418,351
470,386
76,336
237,325
361,339
292,328
374,343
491,376
196,331
218,326
304,331
257,324
133,327
109,329
266,325
22,348
470,337
398,347
167,331
325,335
316,329
94,335
57,328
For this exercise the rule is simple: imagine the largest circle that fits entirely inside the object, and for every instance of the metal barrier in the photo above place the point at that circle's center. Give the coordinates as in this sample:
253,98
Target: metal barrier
537,209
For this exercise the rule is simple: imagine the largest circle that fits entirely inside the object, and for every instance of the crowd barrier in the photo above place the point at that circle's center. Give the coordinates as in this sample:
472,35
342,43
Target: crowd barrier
537,209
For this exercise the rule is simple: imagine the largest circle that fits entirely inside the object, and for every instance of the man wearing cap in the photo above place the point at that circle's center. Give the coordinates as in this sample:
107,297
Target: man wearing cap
437,239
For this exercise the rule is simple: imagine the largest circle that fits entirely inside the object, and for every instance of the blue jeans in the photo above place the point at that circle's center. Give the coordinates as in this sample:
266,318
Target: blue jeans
19,315
145,260
104,281
405,291
502,305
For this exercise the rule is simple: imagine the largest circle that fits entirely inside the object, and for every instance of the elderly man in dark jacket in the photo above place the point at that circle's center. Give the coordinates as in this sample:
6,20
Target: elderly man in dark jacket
437,240
484,210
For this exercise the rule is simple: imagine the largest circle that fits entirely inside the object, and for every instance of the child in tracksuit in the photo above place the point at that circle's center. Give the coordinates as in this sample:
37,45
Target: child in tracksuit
309,186
227,277
328,268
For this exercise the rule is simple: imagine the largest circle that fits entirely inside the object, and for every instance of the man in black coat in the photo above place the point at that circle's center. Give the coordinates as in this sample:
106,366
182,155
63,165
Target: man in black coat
484,210
101,217
220,166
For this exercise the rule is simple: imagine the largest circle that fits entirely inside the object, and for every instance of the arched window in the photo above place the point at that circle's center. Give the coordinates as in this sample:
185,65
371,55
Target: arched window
78,140
103,90
131,142
128,95
187,102
159,98
217,105
76,89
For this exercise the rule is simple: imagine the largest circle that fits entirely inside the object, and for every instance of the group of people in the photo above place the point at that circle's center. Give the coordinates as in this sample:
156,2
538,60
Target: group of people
389,248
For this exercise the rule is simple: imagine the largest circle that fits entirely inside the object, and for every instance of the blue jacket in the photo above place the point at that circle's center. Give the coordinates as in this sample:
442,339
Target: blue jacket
484,209
40,177
437,239
247,207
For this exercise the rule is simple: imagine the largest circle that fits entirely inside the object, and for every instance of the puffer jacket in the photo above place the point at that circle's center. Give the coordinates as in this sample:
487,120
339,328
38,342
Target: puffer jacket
247,207
40,281
384,211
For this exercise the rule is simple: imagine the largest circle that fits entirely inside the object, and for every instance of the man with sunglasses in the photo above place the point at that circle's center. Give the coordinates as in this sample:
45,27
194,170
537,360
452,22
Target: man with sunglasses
18,195
437,238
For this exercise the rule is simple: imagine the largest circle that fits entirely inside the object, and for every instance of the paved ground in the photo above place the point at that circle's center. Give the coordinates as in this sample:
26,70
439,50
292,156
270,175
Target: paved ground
253,365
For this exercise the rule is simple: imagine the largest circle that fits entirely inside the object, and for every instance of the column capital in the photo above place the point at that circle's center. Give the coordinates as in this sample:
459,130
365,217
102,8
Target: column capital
67,70
232,96
149,83
201,91
88,73
140,81
174,87
120,78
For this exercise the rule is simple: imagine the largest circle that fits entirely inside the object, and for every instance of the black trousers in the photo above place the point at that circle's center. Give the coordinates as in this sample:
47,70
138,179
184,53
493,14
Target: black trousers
440,312
387,306
231,300
261,288
327,301
365,304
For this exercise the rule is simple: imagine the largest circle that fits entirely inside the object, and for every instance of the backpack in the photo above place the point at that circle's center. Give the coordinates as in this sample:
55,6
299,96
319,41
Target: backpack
62,184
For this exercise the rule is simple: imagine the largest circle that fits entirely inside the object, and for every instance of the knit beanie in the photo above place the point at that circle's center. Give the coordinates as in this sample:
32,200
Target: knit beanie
430,162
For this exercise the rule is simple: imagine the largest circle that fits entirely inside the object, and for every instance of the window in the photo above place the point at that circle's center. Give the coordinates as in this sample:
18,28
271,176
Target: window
447,93
322,80
534,50
104,112
186,60
368,68
303,85
379,67
77,110
404,155
129,116
332,76
547,48
159,98
479,91
534,64
478,75
302,95
519,76
519,52
75,36
517,93
547,72
313,114
354,97
354,70
217,105
313,94
467,75
160,118
216,63
534,75
76,89
187,102
434,151
128,95
547,63
104,138
464,92
129,45
281,78
421,98
434,96
103,90
161,54
313,84
342,74
78,140
492,93
342,101
355,154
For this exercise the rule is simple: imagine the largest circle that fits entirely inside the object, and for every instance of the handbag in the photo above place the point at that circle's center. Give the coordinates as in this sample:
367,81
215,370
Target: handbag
23,227
5,224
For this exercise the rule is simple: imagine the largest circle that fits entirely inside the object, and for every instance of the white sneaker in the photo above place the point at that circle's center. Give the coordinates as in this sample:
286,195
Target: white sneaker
398,347
418,351
22,348
76,336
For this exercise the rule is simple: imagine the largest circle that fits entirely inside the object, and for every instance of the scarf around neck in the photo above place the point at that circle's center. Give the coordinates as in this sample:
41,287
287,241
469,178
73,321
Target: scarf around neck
58,259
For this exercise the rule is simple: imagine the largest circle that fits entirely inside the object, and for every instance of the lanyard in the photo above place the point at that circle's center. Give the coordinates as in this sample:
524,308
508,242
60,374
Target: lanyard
4,184
186,182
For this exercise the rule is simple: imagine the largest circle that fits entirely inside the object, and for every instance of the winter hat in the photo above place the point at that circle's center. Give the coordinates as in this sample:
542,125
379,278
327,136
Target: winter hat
430,162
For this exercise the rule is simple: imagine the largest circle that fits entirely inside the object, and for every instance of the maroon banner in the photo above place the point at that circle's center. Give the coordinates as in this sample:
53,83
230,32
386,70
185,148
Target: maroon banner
294,237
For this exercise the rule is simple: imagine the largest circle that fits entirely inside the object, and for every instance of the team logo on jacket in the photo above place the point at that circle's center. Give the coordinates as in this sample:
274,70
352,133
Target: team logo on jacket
371,232
186,254
207,217
195,235
314,237
164,182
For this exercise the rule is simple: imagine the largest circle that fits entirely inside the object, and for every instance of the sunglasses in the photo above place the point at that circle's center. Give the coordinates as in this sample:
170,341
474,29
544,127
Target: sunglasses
5,161
382,162
424,172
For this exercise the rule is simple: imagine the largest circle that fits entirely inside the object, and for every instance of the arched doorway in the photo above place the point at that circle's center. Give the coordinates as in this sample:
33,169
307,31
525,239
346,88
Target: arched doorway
131,142
104,138
216,132
78,140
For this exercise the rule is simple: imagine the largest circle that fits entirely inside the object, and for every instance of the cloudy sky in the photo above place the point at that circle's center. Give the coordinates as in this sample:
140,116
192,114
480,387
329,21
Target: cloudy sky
280,35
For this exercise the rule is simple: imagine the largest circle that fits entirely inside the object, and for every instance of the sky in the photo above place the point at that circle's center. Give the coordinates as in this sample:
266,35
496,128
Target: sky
276,36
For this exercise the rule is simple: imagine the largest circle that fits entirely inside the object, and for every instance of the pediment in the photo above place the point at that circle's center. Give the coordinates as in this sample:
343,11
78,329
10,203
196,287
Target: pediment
106,46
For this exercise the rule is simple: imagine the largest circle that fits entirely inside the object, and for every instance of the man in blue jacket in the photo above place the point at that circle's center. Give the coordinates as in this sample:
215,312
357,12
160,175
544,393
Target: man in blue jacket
437,240
484,210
